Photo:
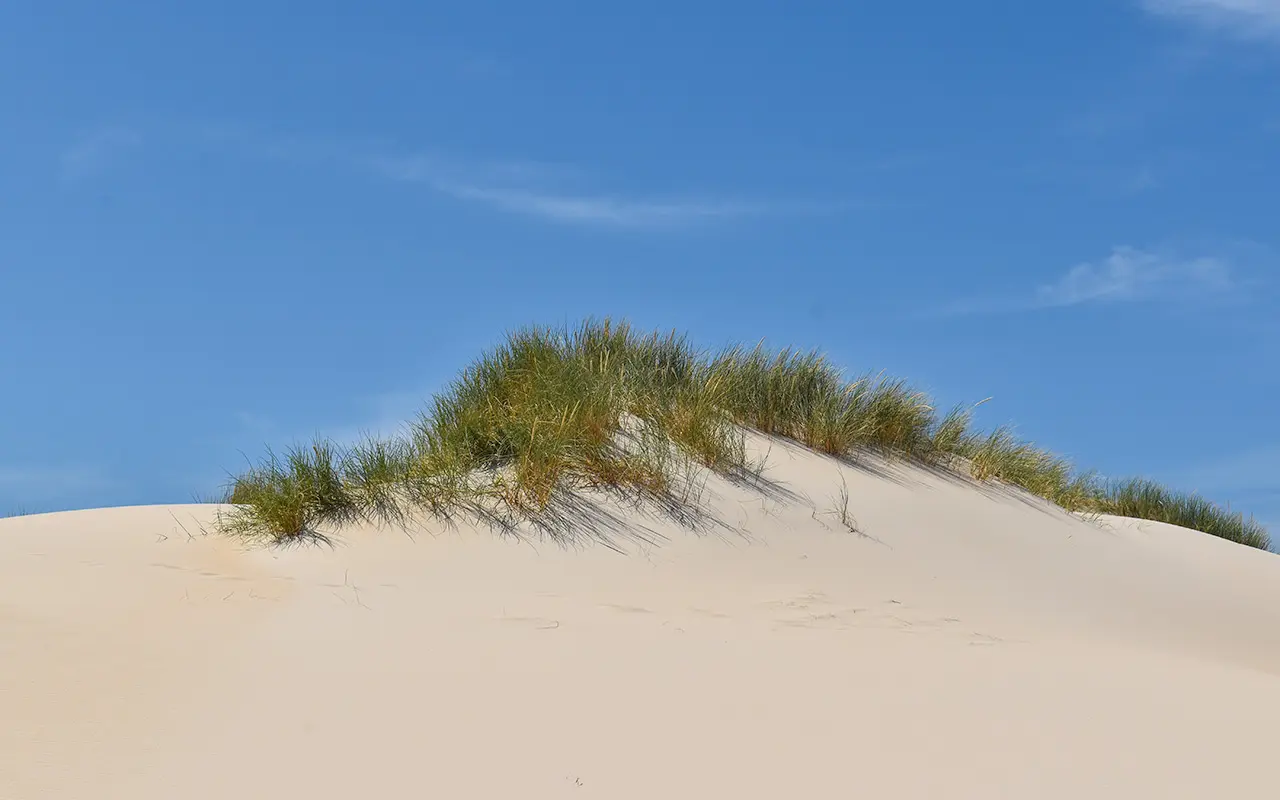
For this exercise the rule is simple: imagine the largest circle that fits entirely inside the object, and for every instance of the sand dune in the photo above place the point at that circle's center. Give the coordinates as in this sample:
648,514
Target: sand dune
960,642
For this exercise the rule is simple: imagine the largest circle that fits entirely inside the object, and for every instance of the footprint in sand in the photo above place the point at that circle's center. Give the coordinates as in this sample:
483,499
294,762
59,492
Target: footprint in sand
537,623
707,612
626,609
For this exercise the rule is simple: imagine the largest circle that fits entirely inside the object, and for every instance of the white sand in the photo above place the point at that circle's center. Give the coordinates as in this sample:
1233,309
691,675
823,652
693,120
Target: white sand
970,645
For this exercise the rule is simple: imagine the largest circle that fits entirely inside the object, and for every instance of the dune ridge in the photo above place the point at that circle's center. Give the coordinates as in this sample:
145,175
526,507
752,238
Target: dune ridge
552,411
605,564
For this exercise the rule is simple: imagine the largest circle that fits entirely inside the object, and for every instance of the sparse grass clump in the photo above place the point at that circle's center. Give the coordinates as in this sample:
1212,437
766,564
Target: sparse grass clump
1003,456
289,498
552,411
1144,499
802,396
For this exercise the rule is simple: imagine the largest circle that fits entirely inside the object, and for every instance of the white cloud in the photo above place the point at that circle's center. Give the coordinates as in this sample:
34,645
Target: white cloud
95,151
1129,275
527,188
436,169
553,192
1250,18
601,209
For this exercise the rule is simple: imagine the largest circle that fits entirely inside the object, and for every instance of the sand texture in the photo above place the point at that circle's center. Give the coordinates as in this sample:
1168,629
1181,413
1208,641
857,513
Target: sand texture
958,642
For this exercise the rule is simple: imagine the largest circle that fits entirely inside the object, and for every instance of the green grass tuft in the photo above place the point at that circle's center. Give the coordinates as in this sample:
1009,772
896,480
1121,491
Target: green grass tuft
1146,499
290,498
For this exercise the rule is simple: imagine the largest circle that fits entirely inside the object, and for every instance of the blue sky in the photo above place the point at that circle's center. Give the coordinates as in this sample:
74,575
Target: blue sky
235,227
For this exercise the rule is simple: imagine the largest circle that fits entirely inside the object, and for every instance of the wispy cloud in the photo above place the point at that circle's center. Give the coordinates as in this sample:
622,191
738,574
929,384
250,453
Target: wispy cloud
96,151
1248,18
557,193
444,170
603,209
529,189
1128,275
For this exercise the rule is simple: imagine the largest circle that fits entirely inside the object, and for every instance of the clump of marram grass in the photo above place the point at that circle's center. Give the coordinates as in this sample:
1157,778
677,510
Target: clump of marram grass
952,435
373,477
291,498
600,406
777,394
1003,456
897,419
546,410
1145,499
802,396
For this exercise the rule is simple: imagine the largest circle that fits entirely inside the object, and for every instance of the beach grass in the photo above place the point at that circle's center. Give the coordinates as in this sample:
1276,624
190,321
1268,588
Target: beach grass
600,405
1144,499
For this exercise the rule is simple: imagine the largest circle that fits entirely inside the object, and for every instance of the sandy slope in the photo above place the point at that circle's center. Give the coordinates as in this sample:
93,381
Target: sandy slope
967,643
